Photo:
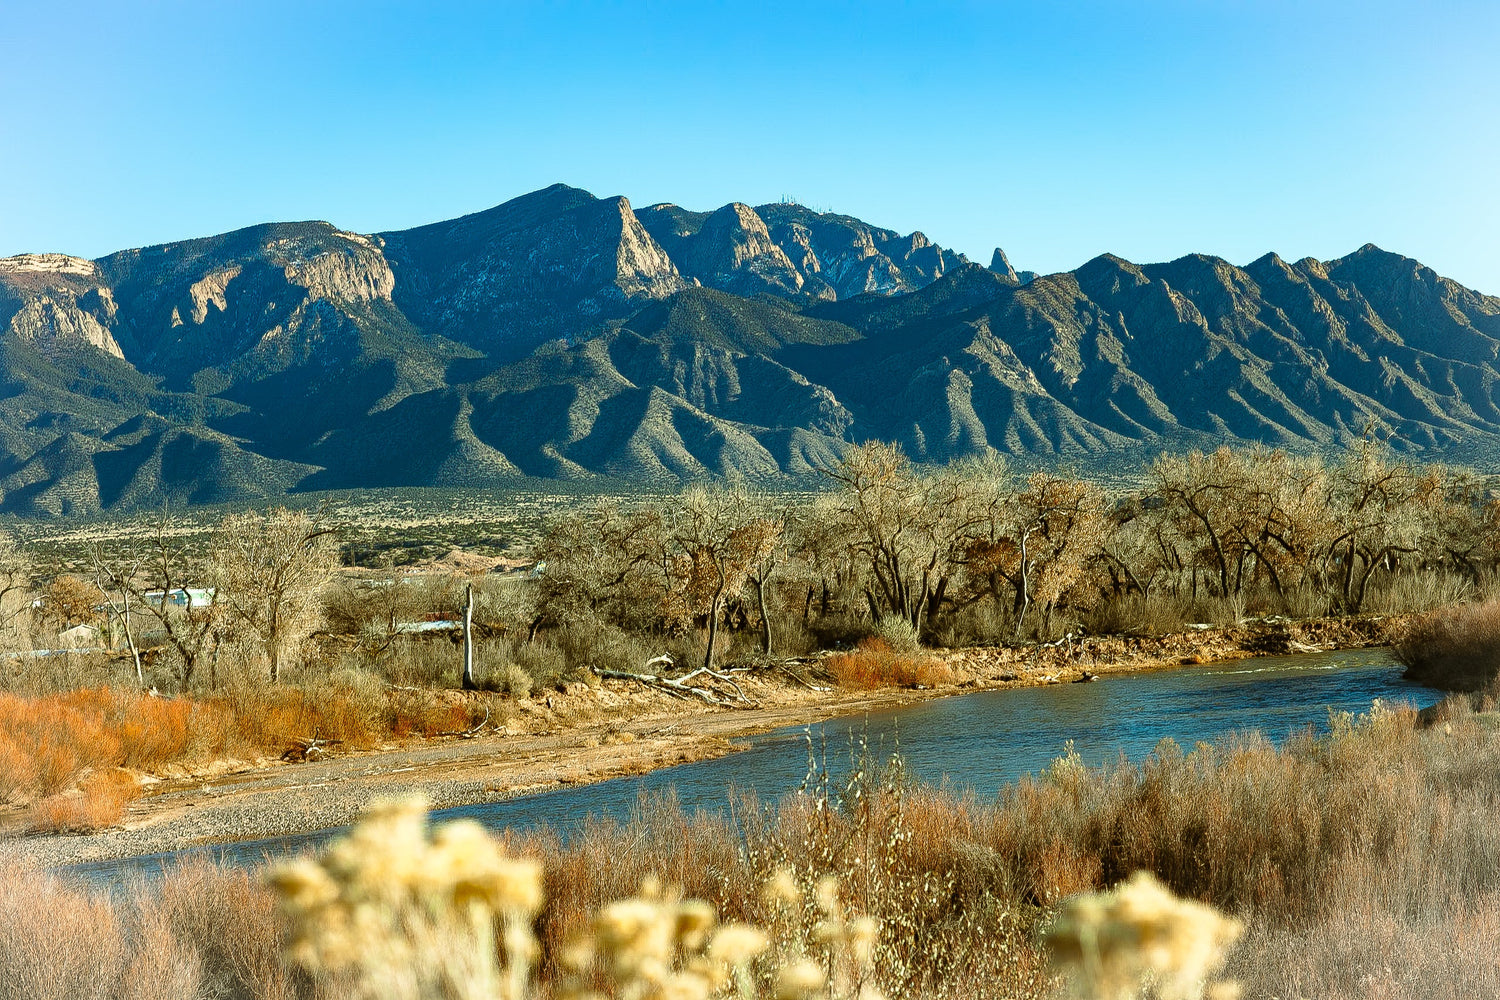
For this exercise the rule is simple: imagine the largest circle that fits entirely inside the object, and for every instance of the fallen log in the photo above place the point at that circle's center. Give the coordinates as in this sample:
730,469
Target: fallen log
307,748
469,734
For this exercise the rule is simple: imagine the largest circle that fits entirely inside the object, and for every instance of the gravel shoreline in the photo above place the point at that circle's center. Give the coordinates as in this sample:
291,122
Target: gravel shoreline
275,799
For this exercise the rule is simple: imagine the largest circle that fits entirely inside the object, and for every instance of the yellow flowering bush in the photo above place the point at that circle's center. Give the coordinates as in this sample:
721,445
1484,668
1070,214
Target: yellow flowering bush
1110,945
392,913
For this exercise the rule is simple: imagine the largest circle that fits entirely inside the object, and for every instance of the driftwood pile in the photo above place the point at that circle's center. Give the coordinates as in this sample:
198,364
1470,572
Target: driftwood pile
715,687
307,748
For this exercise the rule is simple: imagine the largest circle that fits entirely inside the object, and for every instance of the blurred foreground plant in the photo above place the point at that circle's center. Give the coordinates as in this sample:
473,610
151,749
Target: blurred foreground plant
388,913
1111,945
395,915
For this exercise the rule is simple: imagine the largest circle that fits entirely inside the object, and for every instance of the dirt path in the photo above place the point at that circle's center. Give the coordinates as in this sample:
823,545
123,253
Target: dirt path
568,743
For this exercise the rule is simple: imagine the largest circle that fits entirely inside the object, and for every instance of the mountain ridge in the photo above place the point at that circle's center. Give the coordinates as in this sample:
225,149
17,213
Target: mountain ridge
560,335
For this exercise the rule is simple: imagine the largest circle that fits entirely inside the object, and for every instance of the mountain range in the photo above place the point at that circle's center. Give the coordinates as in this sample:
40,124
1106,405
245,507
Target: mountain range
565,336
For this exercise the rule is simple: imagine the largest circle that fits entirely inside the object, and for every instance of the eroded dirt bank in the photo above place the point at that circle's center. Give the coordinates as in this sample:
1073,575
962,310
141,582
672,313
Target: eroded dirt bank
591,733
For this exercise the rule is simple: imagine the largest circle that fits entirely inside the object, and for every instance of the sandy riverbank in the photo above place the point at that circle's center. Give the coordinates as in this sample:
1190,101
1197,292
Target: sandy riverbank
615,729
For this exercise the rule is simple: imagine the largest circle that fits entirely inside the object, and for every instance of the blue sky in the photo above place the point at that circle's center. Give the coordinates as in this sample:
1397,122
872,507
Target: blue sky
1058,130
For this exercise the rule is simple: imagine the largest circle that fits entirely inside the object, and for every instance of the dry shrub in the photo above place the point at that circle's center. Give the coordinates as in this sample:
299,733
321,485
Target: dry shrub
874,664
100,801
64,735
428,713
48,742
229,920
1436,953
273,718
200,931
1457,649
56,943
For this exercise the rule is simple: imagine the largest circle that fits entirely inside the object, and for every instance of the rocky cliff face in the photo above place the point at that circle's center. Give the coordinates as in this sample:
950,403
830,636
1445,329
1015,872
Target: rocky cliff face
57,302
543,266
730,249
843,257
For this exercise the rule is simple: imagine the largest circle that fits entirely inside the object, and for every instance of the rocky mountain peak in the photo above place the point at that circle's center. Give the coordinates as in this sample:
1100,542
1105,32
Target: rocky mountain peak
1000,264
559,334
733,250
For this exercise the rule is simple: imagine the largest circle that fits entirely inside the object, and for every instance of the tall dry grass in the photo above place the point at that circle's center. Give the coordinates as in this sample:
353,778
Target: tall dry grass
202,932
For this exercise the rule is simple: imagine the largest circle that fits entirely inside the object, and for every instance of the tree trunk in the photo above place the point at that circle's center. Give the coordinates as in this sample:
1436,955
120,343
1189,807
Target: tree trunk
1023,592
713,629
468,679
135,653
765,620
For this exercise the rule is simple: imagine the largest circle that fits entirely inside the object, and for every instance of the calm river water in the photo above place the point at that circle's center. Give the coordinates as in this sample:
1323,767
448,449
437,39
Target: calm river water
976,742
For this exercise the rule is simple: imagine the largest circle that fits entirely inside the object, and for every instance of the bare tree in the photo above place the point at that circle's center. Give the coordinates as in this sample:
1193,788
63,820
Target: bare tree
170,589
610,565
1035,543
15,583
116,579
906,527
718,540
268,571
773,522
1384,510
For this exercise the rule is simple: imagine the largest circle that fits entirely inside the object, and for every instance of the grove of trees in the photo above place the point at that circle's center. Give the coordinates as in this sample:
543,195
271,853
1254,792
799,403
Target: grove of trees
970,553
974,553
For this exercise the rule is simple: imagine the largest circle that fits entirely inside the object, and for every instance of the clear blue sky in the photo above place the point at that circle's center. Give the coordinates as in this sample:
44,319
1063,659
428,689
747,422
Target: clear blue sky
1058,130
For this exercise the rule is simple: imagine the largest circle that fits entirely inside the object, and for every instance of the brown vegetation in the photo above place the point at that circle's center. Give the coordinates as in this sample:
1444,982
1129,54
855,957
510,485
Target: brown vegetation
71,742
874,664
199,932
1362,864
270,648
1457,649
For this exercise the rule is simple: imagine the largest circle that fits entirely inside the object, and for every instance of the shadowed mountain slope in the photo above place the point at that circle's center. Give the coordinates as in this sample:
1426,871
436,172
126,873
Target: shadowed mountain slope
566,336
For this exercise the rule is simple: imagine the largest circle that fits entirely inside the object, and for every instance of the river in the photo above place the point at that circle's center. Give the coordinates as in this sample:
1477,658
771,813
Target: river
975,742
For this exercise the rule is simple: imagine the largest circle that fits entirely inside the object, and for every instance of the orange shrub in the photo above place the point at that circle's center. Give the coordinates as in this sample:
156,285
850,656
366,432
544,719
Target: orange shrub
62,734
274,718
413,714
100,801
873,664
48,742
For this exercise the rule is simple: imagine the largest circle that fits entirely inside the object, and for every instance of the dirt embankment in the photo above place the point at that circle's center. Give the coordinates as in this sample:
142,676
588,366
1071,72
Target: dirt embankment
589,733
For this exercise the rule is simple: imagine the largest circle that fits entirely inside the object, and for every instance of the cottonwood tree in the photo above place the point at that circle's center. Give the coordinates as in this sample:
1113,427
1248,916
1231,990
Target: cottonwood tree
819,543
69,600
115,578
774,523
1385,510
609,565
1200,495
718,539
155,565
269,570
1288,519
1134,553
1035,544
906,527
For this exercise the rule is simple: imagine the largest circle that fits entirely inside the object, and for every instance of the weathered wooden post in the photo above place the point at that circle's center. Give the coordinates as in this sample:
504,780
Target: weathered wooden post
469,637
